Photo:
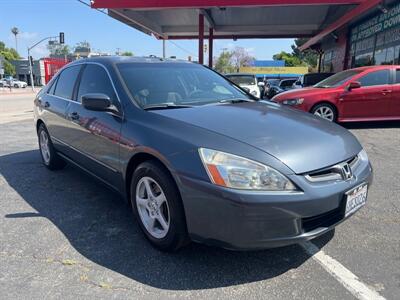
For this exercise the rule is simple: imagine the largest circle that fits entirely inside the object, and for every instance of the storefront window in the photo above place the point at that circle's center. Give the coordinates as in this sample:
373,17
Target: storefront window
380,56
397,55
362,60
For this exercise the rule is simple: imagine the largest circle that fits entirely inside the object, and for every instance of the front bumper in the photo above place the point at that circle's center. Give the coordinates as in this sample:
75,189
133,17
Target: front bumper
245,220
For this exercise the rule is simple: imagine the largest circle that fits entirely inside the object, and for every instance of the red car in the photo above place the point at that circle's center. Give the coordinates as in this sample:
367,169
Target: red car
361,94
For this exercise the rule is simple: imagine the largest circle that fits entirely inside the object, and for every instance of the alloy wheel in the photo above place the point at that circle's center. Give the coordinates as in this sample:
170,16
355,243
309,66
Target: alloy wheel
44,146
325,112
152,206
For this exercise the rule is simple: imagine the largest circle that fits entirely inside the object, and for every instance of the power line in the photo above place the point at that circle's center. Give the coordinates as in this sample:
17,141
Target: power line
172,42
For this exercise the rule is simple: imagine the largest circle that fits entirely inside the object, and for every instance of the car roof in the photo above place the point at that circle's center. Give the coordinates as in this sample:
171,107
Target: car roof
240,74
129,59
373,67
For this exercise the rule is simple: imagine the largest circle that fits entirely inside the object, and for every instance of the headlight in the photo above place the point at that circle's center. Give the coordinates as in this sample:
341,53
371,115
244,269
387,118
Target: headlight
233,171
363,155
293,101
254,93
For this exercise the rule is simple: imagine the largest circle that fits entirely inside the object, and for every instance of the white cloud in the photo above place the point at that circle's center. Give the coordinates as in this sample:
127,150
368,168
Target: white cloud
40,51
28,35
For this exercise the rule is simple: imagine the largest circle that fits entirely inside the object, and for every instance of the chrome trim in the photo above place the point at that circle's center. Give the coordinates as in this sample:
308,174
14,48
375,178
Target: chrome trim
342,171
85,154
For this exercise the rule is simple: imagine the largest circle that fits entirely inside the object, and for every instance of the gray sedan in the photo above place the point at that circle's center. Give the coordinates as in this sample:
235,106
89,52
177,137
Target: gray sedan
197,157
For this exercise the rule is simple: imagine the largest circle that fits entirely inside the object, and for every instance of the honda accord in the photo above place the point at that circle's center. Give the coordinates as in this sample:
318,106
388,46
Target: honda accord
197,157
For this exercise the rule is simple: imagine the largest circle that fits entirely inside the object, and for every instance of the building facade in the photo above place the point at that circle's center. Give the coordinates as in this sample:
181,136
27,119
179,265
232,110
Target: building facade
372,40
22,71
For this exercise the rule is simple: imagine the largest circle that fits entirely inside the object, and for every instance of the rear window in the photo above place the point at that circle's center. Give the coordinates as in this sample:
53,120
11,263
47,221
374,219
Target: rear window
66,82
242,79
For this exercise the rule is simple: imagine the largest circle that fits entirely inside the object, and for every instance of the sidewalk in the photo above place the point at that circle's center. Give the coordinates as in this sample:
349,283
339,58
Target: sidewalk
20,91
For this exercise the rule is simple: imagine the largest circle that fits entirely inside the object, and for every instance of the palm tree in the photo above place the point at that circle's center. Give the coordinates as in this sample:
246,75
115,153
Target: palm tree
15,31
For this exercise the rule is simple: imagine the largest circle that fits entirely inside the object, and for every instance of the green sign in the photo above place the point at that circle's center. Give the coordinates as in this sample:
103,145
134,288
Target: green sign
379,23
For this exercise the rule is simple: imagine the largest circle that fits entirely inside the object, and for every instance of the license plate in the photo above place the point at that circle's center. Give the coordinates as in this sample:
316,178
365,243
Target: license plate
356,198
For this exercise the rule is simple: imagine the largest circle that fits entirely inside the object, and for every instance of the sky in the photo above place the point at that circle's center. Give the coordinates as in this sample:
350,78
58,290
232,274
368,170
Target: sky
37,19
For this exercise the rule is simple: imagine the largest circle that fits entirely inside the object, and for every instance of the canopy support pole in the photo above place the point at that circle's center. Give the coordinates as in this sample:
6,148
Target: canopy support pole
201,39
210,47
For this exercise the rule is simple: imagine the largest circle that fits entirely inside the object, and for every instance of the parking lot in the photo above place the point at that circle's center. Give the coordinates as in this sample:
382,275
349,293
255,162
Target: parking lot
64,235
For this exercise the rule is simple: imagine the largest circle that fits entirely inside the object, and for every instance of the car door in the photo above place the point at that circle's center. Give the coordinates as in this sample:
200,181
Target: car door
371,100
95,135
395,100
53,105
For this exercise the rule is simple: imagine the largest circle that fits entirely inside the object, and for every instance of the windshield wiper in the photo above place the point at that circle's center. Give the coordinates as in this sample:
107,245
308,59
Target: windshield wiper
233,100
165,106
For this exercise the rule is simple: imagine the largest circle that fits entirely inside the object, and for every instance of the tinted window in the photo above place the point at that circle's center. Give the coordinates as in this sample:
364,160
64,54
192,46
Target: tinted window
177,83
375,78
53,87
337,79
95,80
398,76
66,82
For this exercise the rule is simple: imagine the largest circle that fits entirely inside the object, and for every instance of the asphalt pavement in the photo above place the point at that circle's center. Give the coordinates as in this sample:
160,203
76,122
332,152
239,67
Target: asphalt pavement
64,235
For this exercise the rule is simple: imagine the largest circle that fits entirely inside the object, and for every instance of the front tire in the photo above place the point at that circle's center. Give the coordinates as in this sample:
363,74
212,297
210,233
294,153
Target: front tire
325,111
158,207
50,158
16,86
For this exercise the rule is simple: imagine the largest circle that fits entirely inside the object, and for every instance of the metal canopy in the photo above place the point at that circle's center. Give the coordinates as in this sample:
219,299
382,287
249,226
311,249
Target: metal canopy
235,19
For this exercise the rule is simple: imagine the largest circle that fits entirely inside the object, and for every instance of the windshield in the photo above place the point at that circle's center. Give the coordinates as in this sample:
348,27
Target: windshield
242,79
176,84
337,79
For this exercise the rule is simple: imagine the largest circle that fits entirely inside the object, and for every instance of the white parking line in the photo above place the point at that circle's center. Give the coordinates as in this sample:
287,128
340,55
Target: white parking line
350,281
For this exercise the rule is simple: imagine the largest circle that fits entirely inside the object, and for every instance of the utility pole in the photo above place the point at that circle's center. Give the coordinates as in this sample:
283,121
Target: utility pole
164,54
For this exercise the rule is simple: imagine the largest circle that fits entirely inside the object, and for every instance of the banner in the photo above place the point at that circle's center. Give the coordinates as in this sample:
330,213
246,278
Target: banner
274,70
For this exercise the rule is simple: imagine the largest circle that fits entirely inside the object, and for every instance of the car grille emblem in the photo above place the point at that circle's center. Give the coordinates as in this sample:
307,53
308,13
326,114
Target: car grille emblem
346,171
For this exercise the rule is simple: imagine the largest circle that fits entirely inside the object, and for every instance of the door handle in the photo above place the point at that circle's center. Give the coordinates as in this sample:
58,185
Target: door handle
46,104
74,116
384,92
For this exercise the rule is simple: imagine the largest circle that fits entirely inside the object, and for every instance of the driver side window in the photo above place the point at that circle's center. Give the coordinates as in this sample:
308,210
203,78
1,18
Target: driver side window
95,80
381,77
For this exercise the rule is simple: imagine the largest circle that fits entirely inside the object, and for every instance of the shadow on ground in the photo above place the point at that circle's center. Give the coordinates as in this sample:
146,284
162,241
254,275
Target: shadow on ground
371,125
100,226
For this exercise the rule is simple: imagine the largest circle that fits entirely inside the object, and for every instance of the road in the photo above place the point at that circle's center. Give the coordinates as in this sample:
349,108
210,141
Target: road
64,235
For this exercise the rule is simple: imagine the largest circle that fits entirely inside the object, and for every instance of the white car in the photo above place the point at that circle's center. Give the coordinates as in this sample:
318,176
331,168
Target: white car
18,84
248,82
4,83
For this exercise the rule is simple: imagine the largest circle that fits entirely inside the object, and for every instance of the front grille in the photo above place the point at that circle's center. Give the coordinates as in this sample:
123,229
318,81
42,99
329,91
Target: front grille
323,220
332,172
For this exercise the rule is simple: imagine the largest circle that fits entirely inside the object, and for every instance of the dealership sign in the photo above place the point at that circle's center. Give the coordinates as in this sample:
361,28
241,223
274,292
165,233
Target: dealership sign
274,70
376,24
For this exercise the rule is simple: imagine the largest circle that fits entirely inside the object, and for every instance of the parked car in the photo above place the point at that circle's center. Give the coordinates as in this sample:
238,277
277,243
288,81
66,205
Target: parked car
4,83
310,79
18,83
198,158
268,84
361,94
284,85
248,82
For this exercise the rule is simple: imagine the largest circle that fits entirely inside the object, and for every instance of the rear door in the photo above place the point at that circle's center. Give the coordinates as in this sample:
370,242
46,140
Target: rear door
395,100
372,100
54,104
95,135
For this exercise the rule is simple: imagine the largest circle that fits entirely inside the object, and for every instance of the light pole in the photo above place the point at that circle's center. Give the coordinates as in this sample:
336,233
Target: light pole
30,60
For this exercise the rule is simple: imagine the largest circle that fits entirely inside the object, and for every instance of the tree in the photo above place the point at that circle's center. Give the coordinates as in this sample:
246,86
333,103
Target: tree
231,61
298,58
9,54
15,32
126,53
57,49
241,58
223,63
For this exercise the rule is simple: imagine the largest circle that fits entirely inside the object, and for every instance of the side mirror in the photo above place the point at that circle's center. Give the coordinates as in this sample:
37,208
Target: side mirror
261,84
97,102
353,85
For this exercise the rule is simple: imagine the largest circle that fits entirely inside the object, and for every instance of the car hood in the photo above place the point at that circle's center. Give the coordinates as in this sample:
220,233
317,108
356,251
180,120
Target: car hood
299,93
300,140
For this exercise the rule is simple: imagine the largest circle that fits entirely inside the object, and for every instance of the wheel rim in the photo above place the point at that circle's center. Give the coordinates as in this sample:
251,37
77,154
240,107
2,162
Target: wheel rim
44,146
152,206
325,112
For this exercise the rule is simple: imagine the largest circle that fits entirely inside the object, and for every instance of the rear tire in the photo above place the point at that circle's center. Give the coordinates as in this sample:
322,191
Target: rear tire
157,206
50,158
16,86
325,111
